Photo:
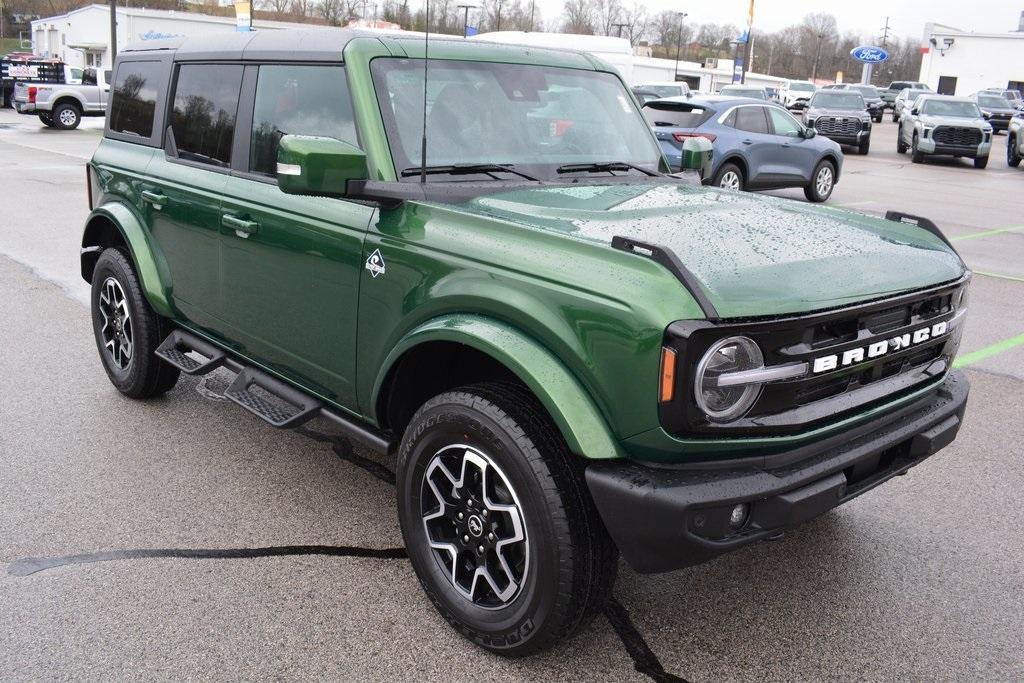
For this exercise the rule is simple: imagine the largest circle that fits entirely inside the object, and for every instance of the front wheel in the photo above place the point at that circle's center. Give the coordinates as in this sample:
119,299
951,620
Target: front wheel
916,155
498,522
864,146
901,147
981,162
822,181
1012,157
127,330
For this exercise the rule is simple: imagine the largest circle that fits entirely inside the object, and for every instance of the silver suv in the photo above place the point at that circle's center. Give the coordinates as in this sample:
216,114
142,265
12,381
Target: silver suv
1015,140
944,125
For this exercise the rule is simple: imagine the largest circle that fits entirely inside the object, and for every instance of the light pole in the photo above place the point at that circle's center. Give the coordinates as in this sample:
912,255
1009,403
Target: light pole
465,18
113,32
679,43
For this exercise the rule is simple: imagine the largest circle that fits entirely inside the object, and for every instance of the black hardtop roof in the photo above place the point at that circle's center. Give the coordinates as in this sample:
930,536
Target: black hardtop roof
313,44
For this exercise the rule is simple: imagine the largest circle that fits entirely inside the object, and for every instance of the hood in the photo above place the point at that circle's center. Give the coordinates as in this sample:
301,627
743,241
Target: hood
753,254
847,113
961,121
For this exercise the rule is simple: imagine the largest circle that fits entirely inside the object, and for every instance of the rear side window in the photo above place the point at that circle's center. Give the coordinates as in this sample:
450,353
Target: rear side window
661,115
134,98
751,120
205,107
298,100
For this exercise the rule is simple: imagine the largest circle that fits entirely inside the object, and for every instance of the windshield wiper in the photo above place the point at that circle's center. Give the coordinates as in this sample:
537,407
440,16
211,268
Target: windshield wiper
603,166
467,169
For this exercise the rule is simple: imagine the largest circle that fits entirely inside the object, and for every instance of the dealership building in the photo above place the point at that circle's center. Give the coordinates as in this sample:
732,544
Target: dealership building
955,62
82,37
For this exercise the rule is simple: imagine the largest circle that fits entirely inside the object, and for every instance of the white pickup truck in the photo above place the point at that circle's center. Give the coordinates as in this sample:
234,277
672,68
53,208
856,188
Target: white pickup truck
62,105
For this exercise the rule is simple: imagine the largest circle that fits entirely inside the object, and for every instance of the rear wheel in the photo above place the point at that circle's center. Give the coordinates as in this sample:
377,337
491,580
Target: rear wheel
895,117
66,116
981,162
823,180
498,522
127,330
1012,157
729,177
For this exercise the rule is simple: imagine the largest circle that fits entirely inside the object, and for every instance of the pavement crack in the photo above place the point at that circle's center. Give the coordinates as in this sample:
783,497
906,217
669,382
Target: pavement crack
31,565
644,659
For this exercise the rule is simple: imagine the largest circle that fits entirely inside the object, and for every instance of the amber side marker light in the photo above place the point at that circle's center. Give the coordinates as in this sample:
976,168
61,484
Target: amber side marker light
668,374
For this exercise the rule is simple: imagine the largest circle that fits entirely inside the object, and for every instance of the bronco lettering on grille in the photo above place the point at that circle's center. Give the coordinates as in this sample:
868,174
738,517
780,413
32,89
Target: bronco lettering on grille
878,349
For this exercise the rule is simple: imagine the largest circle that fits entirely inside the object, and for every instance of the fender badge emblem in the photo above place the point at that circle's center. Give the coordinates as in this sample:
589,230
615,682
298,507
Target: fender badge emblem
375,264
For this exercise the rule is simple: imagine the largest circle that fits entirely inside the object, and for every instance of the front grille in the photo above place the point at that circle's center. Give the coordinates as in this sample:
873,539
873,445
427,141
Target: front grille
791,406
957,136
832,125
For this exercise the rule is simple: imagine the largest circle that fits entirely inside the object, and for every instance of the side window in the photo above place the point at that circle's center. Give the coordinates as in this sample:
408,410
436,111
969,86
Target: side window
205,106
730,120
751,119
134,98
783,123
298,100
89,77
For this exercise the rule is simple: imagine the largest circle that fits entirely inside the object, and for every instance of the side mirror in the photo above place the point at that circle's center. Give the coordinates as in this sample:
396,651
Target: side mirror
696,155
809,133
318,166
913,112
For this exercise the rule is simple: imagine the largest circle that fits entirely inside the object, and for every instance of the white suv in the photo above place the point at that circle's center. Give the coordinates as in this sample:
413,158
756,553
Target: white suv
796,94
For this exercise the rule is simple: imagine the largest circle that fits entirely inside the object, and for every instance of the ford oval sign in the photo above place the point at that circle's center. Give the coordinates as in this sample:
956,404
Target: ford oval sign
869,54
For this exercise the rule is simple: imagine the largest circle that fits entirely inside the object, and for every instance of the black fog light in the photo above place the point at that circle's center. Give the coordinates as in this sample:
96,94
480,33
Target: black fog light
738,516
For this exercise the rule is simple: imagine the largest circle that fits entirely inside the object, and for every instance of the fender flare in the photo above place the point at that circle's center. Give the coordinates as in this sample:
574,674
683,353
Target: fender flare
562,395
149,262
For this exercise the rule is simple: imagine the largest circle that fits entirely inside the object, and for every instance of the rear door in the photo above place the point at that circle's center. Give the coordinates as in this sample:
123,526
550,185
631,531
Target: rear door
757,145
291,264
185,184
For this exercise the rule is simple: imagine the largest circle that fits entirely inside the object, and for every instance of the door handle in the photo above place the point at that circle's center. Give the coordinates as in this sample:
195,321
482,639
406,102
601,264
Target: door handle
748,141
243,228
154,198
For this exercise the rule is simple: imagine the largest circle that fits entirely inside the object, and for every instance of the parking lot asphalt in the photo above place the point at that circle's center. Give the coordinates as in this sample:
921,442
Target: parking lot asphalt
195,503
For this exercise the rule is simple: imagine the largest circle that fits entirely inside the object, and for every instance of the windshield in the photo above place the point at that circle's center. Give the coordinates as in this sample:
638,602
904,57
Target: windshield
756,93
535,118
837,99
867,90
666,90
946,108
911,93
994,101
805,87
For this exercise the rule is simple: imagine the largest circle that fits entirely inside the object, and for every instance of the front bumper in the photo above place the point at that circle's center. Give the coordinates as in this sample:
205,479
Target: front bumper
999,124
665,518
856,139
929,146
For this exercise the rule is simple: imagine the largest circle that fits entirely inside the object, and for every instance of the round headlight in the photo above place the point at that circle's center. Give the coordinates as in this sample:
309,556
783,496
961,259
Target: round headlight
724,404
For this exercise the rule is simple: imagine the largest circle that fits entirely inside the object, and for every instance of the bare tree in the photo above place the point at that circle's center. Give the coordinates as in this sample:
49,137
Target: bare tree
578,17
818,30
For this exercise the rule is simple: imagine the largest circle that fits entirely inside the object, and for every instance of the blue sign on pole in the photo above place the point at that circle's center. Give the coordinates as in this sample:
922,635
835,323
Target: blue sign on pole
869,54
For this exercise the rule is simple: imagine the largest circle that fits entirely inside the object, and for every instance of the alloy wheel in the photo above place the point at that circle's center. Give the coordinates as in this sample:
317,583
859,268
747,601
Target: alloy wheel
68,117
823,182
730,181
117,323
475,526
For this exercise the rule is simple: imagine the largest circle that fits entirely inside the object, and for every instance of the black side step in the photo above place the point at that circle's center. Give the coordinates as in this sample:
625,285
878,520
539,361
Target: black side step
274,401
179,344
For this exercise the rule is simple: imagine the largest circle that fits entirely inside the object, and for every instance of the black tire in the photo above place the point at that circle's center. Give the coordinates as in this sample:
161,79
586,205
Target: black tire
1012,158
141,374
864,146
66,117
895,117
725,171
901,147
878,119
812,191
981,162
46,119
916,155
572,562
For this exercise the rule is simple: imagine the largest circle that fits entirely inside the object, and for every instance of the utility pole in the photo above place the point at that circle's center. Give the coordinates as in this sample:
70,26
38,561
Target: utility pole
885,33
748,48
533,7
113,31
679,43
465,18
619,27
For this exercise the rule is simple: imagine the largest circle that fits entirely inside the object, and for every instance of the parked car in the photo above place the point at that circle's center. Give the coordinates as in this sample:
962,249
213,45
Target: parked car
755,146
840,115
1015,141
890,94
904,100
796,94
772,93
872,101
61,105
996,109
1014,96
665,88
945,125
743,91
645,96
565,352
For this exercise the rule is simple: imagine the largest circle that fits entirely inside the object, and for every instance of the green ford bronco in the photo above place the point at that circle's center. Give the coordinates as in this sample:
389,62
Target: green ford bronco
570,353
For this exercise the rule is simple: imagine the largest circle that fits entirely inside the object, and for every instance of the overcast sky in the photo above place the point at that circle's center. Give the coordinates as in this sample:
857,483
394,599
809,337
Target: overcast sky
906,17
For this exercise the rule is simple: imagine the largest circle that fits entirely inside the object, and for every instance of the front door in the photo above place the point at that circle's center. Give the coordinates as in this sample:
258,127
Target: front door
184,186
291,264
797,154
